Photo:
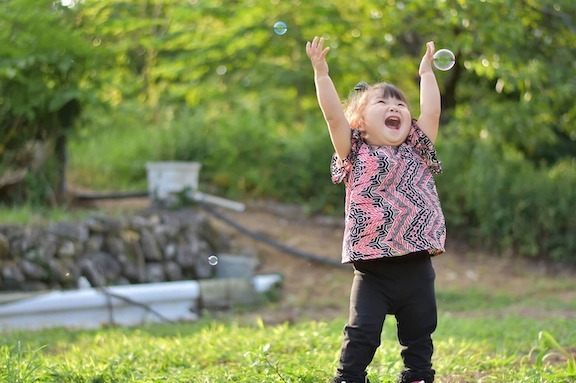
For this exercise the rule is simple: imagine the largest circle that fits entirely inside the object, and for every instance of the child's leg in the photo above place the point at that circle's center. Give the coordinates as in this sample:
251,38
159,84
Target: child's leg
363,331
417,319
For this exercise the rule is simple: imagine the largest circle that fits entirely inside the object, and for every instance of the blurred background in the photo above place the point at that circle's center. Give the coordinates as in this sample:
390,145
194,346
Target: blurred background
90,91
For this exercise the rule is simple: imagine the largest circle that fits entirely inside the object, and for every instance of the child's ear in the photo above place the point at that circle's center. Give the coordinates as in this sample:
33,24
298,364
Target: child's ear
361,128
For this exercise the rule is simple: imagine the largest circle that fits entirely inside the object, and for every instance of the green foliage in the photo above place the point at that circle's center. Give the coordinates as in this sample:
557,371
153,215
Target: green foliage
112,156
42,69
494,197
488,349
548,348
289,160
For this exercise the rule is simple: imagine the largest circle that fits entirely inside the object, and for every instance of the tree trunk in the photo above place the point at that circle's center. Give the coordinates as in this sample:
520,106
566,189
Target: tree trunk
61,163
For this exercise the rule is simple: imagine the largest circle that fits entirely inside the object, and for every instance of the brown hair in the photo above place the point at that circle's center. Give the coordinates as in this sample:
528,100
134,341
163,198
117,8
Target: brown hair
356,102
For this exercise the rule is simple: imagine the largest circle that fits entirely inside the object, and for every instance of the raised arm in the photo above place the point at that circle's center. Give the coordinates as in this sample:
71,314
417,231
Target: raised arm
430,106
328,99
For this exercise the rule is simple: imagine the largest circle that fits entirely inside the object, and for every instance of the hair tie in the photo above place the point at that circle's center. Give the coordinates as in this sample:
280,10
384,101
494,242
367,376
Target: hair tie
361,87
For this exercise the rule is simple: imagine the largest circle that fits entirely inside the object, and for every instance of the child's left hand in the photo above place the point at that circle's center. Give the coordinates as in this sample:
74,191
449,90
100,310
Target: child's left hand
426,63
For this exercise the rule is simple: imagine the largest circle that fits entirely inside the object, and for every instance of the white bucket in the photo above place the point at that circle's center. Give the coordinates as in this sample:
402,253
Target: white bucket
167,179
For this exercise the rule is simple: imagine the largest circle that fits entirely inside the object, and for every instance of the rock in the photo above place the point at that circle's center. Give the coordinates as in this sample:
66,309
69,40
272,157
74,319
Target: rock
70,230
114,245
12,277
64,272
67,250
173,271
33,270
100,268
185,255
150,247
155,272
95,242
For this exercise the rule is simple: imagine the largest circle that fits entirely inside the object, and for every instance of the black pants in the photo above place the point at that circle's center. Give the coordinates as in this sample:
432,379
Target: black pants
402,286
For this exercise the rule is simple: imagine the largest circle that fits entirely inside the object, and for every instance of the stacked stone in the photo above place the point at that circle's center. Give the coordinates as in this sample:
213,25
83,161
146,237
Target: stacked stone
153,246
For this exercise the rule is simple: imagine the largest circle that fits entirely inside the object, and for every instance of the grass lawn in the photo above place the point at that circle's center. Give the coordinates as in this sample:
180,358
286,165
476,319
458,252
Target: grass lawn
486,349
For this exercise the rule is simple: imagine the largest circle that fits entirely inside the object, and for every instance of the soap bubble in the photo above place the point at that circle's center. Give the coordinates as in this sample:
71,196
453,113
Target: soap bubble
444,59
213,260
280,28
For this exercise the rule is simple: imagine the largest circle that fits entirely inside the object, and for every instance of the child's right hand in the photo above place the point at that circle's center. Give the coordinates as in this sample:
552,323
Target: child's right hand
317,55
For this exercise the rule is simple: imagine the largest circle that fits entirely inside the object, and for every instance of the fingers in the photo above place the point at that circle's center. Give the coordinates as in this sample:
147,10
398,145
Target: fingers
316,44
430,49
311,45
315,48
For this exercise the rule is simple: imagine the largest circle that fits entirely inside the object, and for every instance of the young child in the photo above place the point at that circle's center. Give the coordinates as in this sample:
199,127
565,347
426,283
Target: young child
394,222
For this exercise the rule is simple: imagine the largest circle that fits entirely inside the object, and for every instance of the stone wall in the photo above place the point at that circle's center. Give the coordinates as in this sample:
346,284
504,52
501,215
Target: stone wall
151,246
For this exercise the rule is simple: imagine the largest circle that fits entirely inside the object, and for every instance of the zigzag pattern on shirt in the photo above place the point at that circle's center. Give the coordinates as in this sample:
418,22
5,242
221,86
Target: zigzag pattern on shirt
393,205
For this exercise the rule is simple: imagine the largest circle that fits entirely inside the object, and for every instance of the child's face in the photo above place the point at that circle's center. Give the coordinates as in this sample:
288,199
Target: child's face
385,121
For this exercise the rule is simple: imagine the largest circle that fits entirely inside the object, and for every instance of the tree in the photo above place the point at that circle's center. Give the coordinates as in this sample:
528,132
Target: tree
43,86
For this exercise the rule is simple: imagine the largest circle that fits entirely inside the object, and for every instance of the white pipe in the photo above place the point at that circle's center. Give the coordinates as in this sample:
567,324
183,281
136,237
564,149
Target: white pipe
219,201
121,305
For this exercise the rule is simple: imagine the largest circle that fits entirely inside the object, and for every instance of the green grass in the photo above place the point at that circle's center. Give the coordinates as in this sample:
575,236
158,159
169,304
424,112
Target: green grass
44,216
29,214
477,300
486,349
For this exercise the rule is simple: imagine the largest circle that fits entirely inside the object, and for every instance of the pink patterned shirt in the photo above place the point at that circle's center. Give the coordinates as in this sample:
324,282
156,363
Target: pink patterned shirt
392,206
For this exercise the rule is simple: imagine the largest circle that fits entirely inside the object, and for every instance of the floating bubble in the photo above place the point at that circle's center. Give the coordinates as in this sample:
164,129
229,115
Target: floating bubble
213,260
280,28
444,59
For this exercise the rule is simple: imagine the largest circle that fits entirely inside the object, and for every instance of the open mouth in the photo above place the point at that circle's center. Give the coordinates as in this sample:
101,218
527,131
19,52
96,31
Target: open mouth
392,122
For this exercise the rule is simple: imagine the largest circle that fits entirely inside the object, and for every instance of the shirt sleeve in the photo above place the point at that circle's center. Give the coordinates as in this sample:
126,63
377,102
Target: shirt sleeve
340,168
424,147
